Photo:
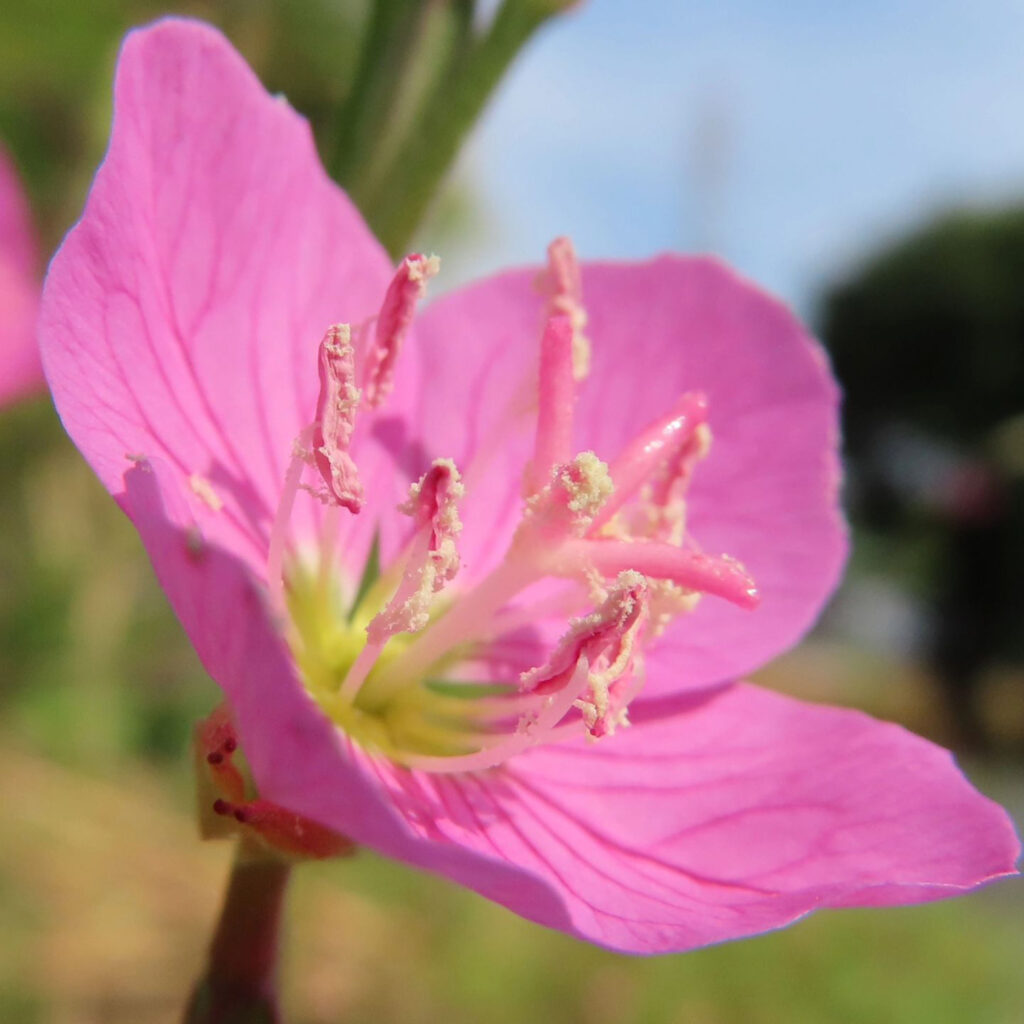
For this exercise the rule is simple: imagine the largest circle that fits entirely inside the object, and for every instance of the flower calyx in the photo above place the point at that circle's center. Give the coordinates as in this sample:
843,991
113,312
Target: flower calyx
228,806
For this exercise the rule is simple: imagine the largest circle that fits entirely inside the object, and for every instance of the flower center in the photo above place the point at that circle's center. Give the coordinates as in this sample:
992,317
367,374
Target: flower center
403,662
428,716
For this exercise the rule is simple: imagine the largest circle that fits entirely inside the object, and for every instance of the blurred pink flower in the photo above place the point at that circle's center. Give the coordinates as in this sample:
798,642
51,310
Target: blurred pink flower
20,370
180,326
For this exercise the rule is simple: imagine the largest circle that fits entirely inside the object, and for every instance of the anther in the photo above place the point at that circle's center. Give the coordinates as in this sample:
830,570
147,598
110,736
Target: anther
431,561
609,628
335,418
433,558
569,503
406,289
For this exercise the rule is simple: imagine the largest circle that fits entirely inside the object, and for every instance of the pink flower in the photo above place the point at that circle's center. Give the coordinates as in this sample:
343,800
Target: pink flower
536,459
20,370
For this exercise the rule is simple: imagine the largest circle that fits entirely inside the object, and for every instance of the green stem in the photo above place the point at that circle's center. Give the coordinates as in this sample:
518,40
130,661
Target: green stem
240,984
395,204
390,40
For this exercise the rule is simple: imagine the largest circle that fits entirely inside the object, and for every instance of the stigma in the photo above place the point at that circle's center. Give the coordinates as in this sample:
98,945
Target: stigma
404,660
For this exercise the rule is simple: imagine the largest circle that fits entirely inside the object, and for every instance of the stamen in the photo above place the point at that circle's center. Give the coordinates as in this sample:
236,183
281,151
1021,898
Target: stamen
606,638
596,652
431,562
671,485
622,550
569,503
535,727
556,396
335,418
661,445
563,285
434,559
407,287
722,576
282,517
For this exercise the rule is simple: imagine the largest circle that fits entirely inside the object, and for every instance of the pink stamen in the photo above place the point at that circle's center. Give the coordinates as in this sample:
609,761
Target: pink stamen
659,446
335,418
468,620
569,502
670,485
536,727
433,503
433,559
608,634
722,576
592,657
564,276
406,289
282,517
562,283
556,395
431,562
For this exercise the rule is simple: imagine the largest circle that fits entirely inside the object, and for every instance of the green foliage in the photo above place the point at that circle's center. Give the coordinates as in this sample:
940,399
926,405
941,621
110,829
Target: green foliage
931,331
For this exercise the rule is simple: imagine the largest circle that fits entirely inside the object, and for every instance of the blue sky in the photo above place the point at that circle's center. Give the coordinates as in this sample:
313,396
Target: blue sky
839,125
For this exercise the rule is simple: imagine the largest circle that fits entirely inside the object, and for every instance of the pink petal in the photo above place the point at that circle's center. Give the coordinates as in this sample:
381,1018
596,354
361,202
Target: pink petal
738,814
182,314
20,370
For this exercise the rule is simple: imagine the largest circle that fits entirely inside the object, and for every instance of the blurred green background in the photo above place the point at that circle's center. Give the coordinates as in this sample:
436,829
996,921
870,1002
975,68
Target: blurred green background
106,896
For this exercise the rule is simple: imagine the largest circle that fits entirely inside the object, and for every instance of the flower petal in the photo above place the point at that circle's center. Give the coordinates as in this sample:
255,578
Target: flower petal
738,814
21,372
182,314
